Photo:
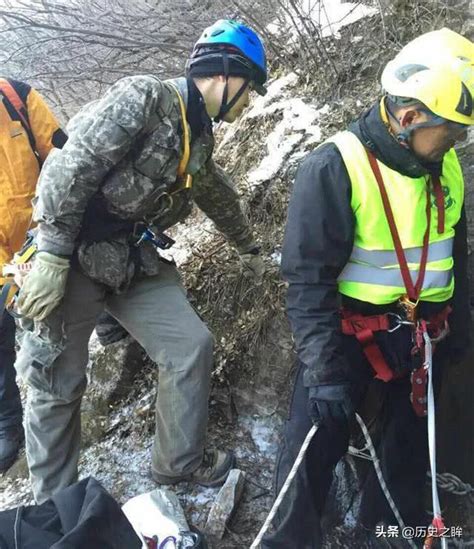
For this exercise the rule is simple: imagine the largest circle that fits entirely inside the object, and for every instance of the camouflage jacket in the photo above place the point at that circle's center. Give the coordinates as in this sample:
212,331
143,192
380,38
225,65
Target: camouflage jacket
123,152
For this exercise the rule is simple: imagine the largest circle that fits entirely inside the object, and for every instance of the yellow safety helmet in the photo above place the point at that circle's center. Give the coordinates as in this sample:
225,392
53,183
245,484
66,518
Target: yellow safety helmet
436,69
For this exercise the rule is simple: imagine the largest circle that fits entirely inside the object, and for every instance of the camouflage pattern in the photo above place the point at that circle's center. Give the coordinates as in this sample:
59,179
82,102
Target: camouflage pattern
126,148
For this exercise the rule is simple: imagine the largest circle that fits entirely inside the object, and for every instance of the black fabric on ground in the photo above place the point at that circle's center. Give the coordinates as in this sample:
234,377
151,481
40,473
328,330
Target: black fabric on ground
82,516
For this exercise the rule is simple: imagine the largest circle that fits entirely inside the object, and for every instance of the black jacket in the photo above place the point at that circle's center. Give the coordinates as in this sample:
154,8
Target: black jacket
318,243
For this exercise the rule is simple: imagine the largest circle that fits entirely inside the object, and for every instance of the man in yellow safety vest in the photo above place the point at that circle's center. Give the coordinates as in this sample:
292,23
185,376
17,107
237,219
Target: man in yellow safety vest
375,256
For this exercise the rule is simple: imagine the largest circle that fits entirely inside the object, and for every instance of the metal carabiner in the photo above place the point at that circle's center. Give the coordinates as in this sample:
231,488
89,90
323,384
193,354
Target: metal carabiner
399,322
164,203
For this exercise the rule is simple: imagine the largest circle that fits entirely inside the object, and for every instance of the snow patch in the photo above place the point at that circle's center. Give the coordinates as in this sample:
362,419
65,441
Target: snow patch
187,236
299,122
264,432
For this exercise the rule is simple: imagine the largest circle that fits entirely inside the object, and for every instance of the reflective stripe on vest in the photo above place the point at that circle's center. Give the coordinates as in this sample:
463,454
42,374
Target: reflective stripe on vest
354,272
384,258
373,273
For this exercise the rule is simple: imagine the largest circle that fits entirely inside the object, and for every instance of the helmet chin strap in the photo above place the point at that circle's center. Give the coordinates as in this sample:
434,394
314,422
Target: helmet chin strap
225,107
404,135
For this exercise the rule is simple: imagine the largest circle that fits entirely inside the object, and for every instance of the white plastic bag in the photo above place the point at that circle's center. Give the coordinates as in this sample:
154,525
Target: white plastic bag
158,519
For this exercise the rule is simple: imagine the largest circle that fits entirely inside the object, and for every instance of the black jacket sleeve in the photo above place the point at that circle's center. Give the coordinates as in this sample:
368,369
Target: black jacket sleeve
460,318
318,242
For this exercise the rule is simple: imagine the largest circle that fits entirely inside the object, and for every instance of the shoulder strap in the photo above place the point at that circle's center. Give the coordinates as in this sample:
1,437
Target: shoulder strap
183,163
11,95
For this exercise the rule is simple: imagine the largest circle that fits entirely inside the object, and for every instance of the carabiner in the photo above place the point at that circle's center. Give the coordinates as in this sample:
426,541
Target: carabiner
399,322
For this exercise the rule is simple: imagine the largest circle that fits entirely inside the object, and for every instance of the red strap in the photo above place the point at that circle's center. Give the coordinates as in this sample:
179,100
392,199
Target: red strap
353,323
374,356
10,93
363,328
413,290
438,191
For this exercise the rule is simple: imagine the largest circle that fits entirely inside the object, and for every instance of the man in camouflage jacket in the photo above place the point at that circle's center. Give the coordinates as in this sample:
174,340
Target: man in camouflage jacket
116,175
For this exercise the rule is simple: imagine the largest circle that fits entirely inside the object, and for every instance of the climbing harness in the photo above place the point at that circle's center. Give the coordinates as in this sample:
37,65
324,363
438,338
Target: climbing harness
425,335
291,475
363,327
164,202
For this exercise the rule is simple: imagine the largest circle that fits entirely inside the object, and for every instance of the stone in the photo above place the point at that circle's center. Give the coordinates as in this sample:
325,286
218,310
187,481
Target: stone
19,470
265,391
226,502
110,372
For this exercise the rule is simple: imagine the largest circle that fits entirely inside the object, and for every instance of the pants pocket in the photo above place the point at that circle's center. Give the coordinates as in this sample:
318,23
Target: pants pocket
35,360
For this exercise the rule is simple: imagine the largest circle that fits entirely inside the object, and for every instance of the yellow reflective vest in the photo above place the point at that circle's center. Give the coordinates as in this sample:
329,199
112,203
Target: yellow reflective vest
19,166
372,273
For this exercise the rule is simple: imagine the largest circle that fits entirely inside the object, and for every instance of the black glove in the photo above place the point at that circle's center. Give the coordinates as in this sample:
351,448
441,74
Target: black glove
330,404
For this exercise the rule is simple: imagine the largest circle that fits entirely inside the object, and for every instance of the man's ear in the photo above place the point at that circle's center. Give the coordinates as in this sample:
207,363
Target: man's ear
409,117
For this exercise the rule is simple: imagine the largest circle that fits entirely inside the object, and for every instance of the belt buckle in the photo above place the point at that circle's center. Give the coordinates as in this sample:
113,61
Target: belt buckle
409,308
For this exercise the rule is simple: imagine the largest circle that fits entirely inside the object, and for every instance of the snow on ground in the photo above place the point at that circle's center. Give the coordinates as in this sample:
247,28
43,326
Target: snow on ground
121,462
189,236
264,433
299,123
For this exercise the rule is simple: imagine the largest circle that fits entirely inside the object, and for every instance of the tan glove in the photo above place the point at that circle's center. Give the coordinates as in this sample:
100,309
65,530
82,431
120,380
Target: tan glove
253,266
44,287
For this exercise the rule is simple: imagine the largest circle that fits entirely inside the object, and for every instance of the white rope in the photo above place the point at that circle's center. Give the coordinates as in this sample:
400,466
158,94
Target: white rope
448,482
382,482
428,365
451,482
16,525
284,488
454,485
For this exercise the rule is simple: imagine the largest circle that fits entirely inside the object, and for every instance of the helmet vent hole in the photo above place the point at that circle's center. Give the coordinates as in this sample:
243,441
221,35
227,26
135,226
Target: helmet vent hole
407,71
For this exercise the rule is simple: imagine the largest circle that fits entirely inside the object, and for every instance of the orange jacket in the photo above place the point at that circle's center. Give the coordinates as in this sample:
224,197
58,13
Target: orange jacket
19,165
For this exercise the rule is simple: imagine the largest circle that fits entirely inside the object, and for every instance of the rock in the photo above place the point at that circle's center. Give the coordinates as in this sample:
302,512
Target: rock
19,469
111,370
265,391
225,504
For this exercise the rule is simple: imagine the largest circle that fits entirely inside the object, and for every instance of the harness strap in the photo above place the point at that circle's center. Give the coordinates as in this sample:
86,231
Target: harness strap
413,290
438,191
183,163
363,328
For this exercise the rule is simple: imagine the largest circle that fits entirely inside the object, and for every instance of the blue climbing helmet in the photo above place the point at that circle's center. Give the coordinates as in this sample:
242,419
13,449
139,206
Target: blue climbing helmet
230,48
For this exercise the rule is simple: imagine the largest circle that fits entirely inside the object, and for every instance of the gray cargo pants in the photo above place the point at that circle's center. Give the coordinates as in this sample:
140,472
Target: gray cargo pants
53,359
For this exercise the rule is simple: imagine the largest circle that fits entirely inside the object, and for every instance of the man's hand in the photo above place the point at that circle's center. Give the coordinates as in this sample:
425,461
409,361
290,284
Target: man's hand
43,288
329,404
